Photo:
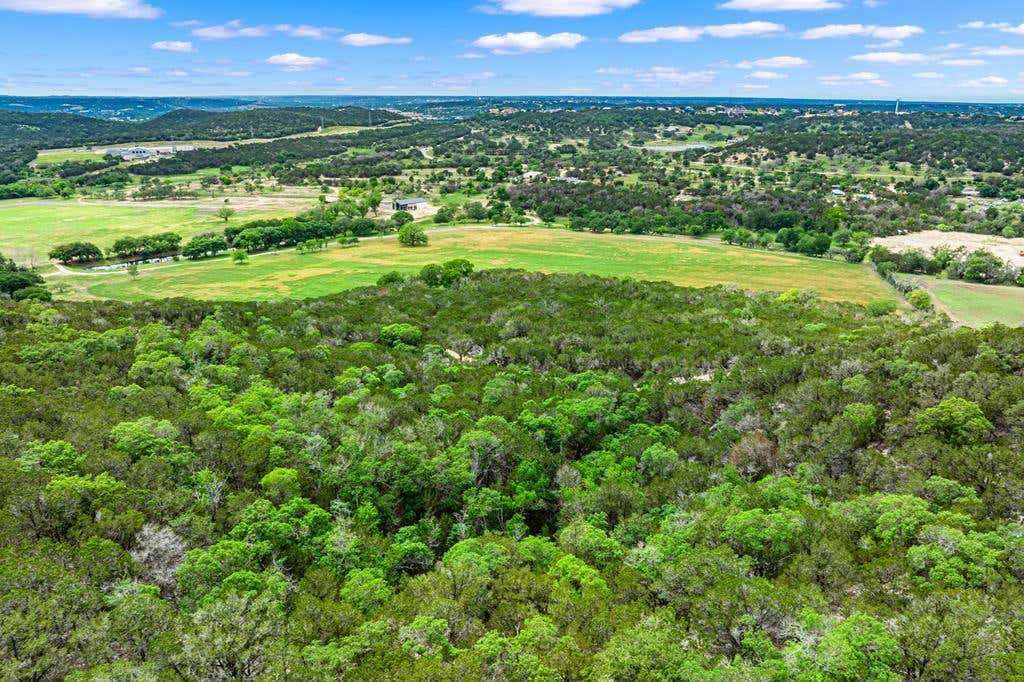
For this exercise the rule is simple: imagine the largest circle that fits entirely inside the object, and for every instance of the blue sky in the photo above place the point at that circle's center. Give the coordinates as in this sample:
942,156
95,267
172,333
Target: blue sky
914,49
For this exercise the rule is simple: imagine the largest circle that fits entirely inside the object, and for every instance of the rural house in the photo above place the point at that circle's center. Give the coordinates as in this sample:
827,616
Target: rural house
408,204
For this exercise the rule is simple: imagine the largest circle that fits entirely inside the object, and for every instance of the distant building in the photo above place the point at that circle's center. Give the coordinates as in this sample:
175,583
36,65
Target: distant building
143,153
971,192
837,191
408,204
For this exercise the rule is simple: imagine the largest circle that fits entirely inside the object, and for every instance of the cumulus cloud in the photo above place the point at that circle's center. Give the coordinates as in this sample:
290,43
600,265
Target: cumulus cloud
963,62
986,82
464,80
859,78
673,76
1001,51
892,35
558,8
306,31
1002,26
469,55
115,9
173,46
782,5
236,29
767,75
372,40
293,61
783,62
232,29
177,73
689,34
529,41
930,75
897,58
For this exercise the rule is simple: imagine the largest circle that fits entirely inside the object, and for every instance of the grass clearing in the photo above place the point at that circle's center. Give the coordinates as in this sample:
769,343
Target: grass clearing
975,305
685,262
30,228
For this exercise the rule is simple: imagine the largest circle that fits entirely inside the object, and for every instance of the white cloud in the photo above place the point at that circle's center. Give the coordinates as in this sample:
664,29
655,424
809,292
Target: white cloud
892,58
615,71
559,8
752,86
859,78
891,34
177,73
173,46
986,82
750,28
306,31
530,41
232,29
678,34
783,62
1001,51
1002,26
372,40
236,29
930,75
781,5
464,80
767,75
673,76
963,62
469,55
116,9
293,61
689,34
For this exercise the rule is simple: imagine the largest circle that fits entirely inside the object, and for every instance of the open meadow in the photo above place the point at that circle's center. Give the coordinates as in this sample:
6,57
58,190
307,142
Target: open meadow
30,228
975,305
685,262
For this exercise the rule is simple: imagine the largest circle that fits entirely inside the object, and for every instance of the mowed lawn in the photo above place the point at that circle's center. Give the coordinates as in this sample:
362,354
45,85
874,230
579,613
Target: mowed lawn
30,228
976,305
687,262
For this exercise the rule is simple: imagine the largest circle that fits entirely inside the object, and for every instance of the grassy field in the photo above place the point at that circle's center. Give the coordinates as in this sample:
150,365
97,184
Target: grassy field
30,228
681,261
976,305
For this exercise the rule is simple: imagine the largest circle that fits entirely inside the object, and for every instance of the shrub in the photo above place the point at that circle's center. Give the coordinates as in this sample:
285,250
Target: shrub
412,235
920,299
881,308
389,278
401,334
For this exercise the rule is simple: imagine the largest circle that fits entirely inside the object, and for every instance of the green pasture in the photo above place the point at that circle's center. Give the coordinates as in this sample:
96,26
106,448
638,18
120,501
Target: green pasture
688,262
976,305
30,228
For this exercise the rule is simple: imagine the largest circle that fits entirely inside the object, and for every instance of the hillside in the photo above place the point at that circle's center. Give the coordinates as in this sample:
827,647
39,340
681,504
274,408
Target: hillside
21,131
513,476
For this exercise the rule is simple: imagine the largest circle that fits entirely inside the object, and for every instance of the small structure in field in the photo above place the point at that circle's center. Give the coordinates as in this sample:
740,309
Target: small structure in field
971,192
143,153
408,204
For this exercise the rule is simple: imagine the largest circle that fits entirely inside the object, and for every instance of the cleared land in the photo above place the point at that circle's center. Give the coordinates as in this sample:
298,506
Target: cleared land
975,305
1011,250
30,228
681,261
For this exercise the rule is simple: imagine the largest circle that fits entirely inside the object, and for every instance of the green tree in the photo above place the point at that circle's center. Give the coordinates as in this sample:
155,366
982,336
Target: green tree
412,235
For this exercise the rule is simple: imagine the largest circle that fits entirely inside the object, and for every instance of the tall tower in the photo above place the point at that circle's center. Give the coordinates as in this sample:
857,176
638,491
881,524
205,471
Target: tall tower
898,106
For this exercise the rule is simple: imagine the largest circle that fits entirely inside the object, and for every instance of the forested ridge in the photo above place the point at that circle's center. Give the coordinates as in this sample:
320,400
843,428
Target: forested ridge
22,133
509,476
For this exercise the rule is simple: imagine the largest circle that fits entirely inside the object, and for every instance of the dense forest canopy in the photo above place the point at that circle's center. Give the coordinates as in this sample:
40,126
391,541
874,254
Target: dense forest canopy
509,476
22,133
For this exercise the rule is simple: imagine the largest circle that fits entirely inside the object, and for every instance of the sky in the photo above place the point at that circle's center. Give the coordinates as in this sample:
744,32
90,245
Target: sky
945,50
